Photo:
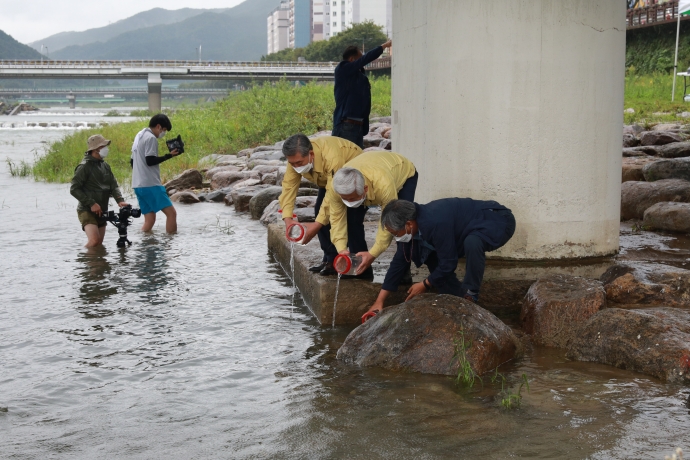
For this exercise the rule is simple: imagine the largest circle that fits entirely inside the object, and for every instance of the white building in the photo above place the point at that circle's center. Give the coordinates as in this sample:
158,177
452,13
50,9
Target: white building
317,20
341,14
278,25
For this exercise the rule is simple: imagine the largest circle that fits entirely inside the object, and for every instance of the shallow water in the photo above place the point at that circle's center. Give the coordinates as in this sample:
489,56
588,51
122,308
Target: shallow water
187,347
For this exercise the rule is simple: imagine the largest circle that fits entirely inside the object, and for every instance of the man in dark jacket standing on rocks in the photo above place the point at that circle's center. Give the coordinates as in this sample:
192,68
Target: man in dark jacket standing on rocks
438,234
353,94
93,184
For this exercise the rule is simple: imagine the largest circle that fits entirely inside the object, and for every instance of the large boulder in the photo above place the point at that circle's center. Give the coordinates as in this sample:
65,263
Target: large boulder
678,168
423,334
665,127
185,197
647,284
672,217
209,160
230,160
269,179
556,306
632,168
225,179
636,197
304,205
653,341
242,195
244,153
188,180
265,169
372,140
267,155
675,150
659,138
217,195
258,202
280,174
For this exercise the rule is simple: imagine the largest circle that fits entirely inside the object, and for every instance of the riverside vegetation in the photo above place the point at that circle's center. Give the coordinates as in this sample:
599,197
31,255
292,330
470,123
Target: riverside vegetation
263,114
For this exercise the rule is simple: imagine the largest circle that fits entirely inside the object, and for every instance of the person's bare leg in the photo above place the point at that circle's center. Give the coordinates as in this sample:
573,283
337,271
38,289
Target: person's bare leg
93,234
101,233
149,221
171,223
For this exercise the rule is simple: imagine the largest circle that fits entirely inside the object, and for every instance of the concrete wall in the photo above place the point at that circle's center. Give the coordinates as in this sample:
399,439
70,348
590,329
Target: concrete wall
519,101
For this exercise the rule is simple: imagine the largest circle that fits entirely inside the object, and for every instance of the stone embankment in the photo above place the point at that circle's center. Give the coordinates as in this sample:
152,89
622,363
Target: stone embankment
13,109
250,180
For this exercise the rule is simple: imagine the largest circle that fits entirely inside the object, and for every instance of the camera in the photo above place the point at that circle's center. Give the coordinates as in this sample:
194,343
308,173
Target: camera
121,220
175,144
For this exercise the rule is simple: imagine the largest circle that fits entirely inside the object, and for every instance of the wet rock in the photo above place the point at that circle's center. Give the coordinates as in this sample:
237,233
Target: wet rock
677,150
629,140
267,155
217,169
218,195
636,197
185,197
659,138
372,140
420,335
226,178
228,199
672,217
678,168
632,168
647,284
188,180
556,306
653,341
241,196
640,151
269,179
262,199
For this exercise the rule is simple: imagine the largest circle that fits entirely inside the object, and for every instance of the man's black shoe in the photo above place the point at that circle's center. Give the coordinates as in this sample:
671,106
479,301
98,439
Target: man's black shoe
328,270
318,268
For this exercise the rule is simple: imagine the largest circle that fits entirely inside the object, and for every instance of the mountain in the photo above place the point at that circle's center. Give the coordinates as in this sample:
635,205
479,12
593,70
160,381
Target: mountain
12,49
154,17
235,34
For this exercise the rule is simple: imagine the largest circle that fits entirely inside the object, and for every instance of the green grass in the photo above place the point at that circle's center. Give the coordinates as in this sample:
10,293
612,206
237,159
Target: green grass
510,400
261,115
21,169
650,97
466,375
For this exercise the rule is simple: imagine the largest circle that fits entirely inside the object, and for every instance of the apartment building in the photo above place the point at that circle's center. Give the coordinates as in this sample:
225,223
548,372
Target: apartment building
278,24
341,14
300,23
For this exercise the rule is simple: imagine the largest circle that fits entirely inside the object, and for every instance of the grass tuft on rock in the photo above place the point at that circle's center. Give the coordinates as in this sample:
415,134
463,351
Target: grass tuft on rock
261,115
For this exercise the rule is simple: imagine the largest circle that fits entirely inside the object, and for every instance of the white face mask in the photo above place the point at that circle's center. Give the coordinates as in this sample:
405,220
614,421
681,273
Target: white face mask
406,238
303,169
354,204
162,134
104,152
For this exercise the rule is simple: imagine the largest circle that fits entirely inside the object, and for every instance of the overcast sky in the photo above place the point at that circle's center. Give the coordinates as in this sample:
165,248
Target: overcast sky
31,20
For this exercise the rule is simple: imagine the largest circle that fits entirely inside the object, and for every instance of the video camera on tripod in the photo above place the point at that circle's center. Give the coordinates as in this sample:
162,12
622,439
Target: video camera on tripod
121,221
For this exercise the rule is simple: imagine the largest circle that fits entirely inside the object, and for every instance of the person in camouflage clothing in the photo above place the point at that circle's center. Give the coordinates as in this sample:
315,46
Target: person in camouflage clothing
93,184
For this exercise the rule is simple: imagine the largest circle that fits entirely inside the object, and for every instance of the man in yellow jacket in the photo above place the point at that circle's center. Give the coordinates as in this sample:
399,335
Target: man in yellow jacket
317,161
372,179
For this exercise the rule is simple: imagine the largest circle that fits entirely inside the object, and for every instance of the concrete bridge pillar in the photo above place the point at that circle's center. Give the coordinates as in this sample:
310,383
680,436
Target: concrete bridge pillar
519,102
72,98
155,83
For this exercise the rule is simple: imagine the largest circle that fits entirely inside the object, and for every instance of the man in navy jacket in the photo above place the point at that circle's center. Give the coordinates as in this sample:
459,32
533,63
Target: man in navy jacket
438,234
353,94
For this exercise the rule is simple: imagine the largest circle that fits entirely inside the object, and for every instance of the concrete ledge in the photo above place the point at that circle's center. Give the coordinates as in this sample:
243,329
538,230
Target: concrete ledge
354,297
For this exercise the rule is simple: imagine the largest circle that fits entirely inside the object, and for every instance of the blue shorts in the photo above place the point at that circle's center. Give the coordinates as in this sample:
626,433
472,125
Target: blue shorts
152,199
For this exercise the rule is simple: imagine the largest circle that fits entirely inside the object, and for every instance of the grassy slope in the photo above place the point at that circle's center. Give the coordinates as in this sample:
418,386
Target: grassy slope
262,115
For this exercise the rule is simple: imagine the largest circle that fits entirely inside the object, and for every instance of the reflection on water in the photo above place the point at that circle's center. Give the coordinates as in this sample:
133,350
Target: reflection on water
186,346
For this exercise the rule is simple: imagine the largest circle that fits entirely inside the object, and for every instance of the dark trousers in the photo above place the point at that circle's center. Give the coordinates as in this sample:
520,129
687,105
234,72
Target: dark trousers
475,260
355,230
351,132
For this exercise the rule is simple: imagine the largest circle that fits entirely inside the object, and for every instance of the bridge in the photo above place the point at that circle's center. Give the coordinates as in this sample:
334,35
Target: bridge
155,71
651,13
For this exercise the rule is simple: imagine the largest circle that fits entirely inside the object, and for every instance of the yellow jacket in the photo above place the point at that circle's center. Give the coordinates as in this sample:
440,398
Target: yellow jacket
384,175
330,154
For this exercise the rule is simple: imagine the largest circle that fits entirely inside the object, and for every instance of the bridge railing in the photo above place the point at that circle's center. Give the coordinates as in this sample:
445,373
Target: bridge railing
660,13
170,64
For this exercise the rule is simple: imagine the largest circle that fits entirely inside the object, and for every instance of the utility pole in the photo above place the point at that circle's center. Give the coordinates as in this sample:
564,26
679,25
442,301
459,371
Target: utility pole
41,54
199,50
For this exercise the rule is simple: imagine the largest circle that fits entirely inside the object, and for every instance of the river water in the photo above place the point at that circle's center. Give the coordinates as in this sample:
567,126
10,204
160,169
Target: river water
187,346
